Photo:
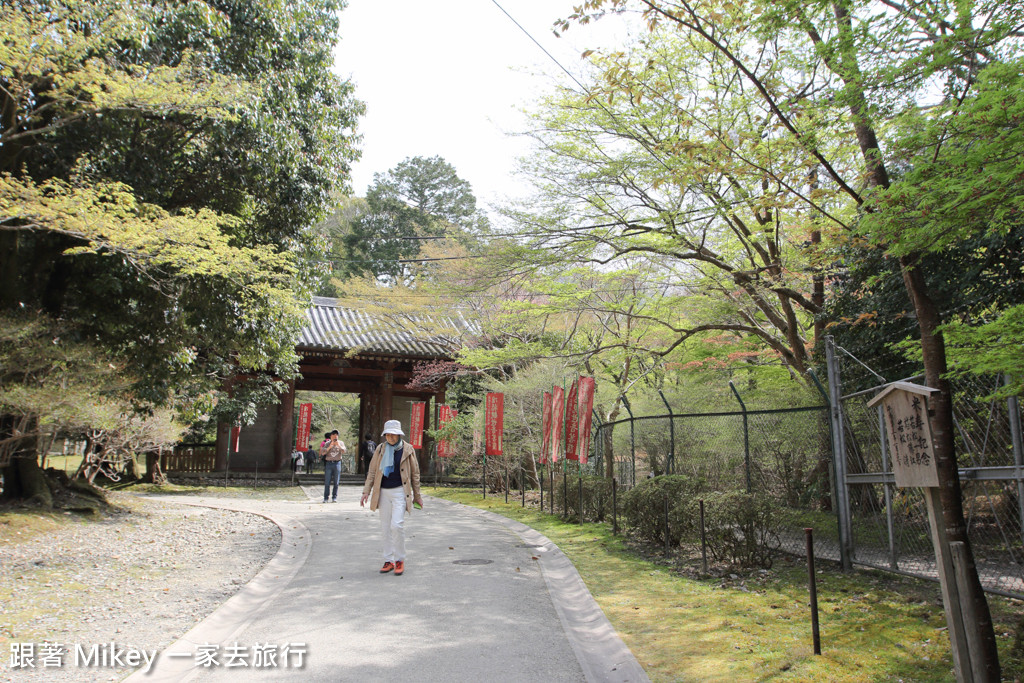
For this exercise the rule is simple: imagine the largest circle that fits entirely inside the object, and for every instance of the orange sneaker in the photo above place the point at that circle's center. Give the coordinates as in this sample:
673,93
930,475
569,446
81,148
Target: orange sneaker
399,567
388,566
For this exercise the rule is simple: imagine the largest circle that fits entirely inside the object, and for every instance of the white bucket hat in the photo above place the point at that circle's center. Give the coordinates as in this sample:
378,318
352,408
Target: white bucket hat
393,427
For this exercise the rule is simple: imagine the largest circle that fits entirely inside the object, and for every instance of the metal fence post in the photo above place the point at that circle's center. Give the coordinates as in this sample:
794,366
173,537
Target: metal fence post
670,466
551,498
889,523
1013,408
615,508
632,443
579,492
746,435
565,489
839,456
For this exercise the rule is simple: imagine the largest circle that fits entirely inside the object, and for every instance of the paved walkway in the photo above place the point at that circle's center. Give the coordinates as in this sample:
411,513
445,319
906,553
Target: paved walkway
472,605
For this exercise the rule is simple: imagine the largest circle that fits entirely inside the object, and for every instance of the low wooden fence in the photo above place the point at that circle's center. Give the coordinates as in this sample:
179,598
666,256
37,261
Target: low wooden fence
190,458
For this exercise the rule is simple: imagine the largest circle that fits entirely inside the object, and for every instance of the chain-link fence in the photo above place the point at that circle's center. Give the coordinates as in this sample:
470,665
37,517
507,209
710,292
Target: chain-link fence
889,526
781,453
857,513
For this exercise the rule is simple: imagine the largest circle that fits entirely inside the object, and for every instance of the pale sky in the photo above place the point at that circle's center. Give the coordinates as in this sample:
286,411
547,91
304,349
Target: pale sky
446,77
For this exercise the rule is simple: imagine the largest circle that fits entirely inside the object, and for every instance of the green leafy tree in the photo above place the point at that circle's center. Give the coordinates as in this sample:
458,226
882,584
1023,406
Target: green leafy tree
161,165
865,89
419,199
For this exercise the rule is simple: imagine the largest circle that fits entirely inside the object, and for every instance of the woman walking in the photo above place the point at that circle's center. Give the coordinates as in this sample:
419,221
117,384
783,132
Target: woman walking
393,485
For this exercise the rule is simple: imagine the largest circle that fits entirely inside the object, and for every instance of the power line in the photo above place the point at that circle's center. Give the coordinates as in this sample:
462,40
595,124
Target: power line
621,291
542,48
577,82
403,260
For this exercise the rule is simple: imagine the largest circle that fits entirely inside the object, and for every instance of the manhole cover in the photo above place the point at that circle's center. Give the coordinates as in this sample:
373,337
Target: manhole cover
472,561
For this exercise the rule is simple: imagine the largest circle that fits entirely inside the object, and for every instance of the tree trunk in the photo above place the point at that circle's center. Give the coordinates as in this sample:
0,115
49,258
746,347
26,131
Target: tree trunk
23,478
608,433
943,439
25,481
131,468
933,353
609,453
154,474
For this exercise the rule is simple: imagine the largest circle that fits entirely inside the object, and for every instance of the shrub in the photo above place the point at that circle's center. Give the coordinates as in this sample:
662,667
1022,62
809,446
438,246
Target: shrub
741,528
644,507
597,496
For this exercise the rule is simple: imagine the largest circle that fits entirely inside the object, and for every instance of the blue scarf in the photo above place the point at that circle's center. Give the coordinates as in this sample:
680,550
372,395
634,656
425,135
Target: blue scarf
388,461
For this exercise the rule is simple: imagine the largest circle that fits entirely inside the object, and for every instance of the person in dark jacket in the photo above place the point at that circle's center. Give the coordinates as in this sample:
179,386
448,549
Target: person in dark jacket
366,453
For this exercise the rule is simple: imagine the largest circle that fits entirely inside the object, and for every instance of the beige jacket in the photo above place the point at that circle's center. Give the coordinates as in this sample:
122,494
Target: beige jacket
410,469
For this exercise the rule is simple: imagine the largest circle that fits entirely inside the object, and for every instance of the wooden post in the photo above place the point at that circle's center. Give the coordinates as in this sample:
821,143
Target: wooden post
950,592
285,428
908,433
959,554
615,507
387,393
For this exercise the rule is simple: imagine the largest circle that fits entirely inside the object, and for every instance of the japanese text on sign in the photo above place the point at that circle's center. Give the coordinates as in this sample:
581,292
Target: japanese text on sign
908,434
418,413
494,422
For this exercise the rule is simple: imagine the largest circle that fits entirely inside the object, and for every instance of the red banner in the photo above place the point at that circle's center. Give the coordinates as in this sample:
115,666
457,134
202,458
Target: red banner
545,428
494,423
572,427
445,448
418,413
236,432
586,399
305,420
557,421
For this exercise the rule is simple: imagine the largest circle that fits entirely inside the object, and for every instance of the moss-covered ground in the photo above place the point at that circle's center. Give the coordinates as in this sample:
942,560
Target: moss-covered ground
755,625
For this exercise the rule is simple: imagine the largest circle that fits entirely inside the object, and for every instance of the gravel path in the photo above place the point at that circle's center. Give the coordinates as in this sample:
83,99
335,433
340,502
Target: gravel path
140,578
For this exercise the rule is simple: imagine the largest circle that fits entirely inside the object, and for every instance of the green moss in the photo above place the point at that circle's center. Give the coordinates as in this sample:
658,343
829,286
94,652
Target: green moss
874,626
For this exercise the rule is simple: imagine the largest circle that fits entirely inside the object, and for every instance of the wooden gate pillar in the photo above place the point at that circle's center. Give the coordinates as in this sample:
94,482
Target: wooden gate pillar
285,428
388,393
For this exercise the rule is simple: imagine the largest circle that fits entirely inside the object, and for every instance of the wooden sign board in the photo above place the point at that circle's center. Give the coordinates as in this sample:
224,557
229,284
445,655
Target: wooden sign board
908,433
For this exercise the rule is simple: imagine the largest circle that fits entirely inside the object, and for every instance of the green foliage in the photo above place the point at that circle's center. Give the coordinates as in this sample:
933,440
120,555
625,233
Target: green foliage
51,384
636,167
995,347
334,411
964,170
741,528
644,507
971,281
597,496
420,198
160,167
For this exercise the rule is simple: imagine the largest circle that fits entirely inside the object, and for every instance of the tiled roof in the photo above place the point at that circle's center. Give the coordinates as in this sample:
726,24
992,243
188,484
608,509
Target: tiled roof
334,327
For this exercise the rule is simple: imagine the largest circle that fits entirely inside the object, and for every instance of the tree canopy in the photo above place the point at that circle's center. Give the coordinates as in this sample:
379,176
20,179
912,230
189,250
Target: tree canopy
418,200
161,167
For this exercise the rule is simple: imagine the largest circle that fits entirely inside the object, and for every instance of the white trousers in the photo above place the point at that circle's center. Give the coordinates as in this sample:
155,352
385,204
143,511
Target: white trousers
392,523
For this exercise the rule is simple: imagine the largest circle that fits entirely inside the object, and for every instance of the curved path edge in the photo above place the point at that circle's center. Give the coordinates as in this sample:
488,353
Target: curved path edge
238,611
599,649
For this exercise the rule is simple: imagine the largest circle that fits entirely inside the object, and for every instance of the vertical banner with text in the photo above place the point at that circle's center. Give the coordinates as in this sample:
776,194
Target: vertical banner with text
445,448
572,428
557,421
545,428
305,420
586,408
417,414
494,422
